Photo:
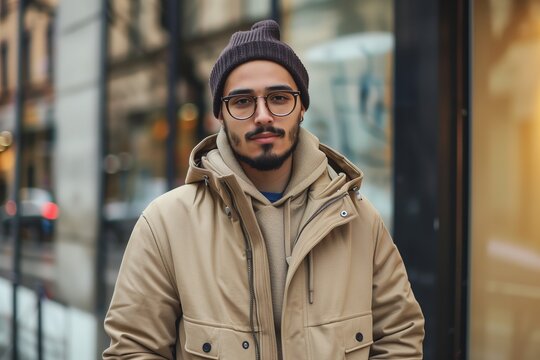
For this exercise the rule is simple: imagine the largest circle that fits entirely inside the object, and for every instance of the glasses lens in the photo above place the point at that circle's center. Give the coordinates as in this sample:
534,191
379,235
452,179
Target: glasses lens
241,106
281,103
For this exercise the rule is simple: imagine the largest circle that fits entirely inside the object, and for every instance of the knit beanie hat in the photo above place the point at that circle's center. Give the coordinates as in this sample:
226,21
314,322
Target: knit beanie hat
262,42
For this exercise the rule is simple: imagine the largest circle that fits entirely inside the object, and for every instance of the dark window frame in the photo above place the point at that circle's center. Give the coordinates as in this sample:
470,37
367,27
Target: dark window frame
50,49
134,32
4,73
3,9
27,58
431,164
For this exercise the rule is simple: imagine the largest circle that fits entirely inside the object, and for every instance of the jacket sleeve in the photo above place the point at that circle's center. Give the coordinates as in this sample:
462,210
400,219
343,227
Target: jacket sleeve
141,320
398,323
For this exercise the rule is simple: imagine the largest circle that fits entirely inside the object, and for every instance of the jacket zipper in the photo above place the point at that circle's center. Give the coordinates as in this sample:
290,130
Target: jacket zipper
249,258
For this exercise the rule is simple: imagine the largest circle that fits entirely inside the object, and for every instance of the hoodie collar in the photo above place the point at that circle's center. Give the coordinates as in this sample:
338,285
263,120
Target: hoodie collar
213,159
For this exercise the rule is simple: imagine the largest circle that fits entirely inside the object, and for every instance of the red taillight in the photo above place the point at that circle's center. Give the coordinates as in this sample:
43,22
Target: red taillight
50,211
11,208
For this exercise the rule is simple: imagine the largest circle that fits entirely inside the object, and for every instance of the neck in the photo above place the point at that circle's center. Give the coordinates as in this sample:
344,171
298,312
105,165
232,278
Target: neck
270,181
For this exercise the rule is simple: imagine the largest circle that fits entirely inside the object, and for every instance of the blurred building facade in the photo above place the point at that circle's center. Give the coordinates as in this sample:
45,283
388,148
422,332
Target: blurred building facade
436,102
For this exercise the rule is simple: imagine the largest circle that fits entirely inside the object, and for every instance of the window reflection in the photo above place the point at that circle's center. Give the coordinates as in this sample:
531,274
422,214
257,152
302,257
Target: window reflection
350,84
138,76
350,67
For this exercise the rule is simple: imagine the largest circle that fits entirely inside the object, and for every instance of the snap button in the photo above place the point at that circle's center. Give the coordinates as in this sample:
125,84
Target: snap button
245,345
359,337
207,347
344,213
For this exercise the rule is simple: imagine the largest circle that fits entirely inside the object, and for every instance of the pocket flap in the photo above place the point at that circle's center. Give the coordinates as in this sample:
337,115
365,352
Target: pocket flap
334,339
201,340
210,342
357,333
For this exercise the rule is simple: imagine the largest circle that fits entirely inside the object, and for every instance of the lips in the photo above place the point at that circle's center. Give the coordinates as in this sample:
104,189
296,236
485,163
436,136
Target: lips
264,138
267,132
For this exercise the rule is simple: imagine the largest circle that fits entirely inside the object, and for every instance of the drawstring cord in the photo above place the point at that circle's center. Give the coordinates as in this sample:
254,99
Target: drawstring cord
287,230
311,288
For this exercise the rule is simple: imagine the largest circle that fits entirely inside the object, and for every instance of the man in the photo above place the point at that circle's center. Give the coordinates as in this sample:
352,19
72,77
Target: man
268,251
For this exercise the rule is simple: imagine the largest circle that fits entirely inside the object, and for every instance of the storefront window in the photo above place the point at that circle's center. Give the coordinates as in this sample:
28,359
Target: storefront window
137,124
37,131
349,60
138,76
505,203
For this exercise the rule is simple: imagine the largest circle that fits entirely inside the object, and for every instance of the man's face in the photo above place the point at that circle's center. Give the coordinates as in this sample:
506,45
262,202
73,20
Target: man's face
263,141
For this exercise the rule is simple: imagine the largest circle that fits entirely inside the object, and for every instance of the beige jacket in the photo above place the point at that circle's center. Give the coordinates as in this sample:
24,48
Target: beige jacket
195,281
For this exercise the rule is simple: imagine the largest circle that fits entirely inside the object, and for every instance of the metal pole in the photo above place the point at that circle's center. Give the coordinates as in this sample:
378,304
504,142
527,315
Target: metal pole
173,23
276,11
101,245
19,109
40,294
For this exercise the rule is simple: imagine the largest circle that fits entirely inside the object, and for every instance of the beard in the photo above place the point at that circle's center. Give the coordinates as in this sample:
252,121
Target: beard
268,160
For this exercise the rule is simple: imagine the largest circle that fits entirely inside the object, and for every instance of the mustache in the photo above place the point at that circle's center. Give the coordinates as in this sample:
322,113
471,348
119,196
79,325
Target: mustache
269,128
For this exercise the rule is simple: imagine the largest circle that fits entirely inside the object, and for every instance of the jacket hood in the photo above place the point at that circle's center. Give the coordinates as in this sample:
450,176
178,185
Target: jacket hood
213,160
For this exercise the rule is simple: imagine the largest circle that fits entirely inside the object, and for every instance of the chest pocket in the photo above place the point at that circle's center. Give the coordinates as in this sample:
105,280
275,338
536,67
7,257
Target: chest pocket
209,342
347,339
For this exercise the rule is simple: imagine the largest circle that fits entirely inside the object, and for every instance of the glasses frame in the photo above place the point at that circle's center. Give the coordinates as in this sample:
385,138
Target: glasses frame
294,93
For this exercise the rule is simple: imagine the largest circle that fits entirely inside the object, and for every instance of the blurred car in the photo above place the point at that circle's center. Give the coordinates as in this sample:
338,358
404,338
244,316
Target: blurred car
37,217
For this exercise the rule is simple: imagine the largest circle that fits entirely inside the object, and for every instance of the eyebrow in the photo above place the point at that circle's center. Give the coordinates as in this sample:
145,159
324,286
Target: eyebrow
269,88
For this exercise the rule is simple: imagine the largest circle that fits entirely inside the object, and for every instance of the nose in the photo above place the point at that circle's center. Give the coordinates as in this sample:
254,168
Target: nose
262,115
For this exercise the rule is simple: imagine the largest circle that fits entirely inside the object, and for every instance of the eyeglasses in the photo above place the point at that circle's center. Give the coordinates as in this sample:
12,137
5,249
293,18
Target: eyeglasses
279,103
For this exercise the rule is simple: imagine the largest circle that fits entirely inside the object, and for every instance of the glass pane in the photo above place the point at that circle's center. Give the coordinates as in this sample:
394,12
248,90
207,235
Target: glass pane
505,238
137,122
38,208
349,60
138,93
